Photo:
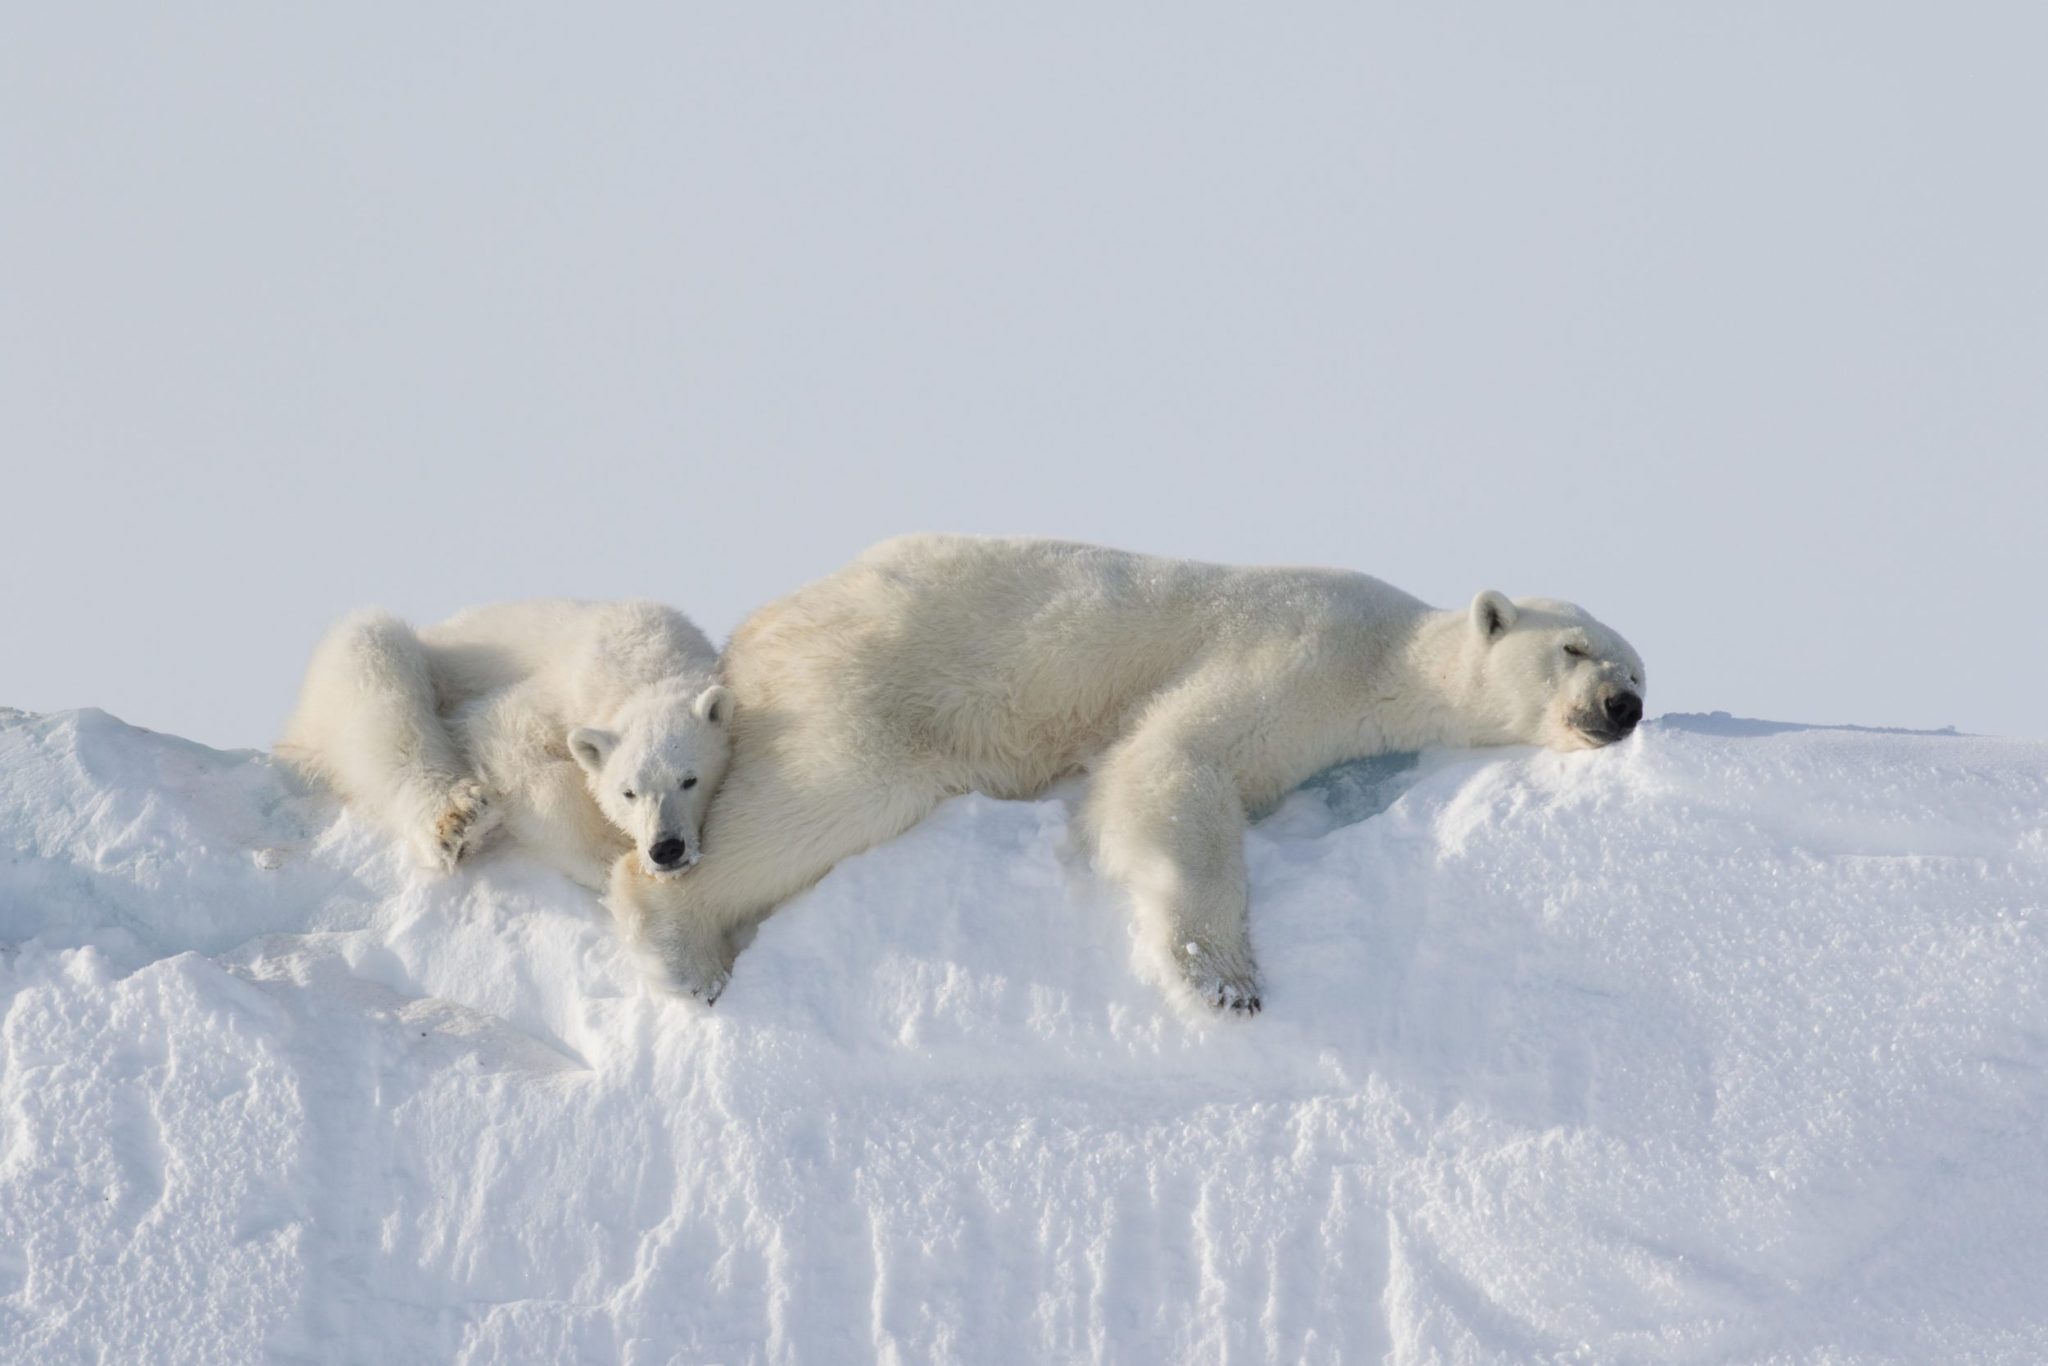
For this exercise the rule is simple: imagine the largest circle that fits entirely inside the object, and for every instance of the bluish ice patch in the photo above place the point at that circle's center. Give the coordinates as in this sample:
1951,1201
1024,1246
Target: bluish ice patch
1363,788
1750,727
1343,794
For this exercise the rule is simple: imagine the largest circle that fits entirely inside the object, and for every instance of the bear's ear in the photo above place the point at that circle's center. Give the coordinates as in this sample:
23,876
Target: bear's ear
1492,615
714,704
591,747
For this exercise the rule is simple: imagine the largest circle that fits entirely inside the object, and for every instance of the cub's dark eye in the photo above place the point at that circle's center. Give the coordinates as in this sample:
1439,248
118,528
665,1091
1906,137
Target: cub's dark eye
1577,652
629,794
689,783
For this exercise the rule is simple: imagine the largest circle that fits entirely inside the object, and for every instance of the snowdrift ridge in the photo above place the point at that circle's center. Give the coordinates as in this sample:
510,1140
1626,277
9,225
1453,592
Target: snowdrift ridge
1727,1042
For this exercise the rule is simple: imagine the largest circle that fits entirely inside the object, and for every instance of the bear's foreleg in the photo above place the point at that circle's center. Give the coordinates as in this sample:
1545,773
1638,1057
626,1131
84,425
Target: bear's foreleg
516,743
1168,823
552,816
779,822
682,947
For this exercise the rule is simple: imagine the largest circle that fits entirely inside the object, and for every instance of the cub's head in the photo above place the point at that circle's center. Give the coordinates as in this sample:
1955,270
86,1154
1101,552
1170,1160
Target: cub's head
1549,674
654,773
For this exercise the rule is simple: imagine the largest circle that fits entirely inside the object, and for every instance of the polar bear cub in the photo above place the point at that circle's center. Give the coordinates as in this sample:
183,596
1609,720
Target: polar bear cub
586,730
1188,693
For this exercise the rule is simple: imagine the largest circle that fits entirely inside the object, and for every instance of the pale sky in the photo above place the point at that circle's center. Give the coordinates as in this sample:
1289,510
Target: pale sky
1728,321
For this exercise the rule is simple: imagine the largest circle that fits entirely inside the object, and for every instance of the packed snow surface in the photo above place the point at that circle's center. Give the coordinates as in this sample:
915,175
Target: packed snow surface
1727,1043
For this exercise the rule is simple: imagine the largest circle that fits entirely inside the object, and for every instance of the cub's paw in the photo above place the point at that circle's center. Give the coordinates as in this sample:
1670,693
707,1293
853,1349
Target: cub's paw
676,954
677,975
466,818
1225,982
684,965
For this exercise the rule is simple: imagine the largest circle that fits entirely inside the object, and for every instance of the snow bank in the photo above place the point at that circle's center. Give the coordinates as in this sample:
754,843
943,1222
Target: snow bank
1727,1043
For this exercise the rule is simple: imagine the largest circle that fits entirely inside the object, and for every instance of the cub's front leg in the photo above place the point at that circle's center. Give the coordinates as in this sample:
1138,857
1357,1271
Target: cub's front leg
680,947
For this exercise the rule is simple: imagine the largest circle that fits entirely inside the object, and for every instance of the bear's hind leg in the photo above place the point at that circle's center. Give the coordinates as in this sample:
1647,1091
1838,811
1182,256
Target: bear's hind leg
368,723
456,818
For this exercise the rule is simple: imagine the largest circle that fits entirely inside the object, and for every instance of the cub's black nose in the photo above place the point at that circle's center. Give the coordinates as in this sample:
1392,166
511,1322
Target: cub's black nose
667,853
1624,709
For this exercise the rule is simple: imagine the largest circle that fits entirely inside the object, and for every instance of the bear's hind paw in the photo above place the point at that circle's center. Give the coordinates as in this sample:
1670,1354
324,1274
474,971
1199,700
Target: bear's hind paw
467,817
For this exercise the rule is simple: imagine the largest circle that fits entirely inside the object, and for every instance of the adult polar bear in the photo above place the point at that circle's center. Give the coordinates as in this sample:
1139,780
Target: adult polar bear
935,665
584,728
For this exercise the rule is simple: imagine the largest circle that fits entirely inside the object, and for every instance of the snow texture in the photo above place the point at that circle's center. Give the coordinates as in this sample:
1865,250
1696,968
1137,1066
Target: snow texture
1727,1043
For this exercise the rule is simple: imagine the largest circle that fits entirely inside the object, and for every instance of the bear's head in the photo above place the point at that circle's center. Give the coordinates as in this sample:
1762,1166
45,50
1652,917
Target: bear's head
654,771
1547,673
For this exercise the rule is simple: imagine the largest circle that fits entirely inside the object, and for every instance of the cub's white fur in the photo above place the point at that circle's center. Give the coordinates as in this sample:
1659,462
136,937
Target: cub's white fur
1191,693
538,716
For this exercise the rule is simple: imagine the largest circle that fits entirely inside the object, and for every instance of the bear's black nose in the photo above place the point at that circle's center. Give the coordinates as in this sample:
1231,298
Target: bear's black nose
667,853
1624,709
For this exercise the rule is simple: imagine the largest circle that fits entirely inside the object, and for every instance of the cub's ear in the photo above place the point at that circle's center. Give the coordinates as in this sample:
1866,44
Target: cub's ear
1492,615
591,747
714,704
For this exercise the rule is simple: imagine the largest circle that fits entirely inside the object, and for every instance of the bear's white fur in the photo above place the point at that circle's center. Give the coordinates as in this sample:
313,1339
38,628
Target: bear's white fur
538,716
1190,693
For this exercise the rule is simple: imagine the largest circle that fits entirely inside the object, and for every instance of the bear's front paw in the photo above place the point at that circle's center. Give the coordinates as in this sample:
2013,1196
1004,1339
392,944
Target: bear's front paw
679,975
679,951
705,989
1225,982
465,818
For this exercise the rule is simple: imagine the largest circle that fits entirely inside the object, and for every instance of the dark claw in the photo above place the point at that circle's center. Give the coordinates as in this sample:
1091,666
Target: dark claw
1236,1000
